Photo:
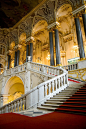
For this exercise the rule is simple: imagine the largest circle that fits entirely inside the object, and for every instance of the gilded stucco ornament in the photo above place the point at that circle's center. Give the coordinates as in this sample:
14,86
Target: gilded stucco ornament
78,74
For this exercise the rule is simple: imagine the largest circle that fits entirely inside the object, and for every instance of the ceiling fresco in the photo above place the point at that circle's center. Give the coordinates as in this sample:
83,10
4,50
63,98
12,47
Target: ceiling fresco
11,11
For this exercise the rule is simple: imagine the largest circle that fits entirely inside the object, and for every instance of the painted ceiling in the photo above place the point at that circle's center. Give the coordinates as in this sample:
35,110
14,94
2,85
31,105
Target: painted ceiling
11,11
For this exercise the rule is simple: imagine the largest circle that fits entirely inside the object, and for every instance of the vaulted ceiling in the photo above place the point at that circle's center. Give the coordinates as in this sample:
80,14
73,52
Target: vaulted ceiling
11,11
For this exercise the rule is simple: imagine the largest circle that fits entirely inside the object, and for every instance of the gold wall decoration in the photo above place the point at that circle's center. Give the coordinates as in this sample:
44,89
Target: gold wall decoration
78,74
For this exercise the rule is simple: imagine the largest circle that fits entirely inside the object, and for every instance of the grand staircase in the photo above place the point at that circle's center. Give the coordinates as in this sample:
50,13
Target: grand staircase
70,100
76,103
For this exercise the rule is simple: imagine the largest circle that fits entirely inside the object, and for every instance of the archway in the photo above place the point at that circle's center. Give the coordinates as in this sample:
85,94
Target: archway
67,33
40,42
14,89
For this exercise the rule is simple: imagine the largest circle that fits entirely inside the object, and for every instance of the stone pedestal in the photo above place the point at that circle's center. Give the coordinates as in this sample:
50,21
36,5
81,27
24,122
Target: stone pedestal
82,64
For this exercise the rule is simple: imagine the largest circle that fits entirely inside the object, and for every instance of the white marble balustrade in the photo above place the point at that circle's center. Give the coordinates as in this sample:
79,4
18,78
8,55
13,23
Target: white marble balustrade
70,67
40,93
45,69
14,106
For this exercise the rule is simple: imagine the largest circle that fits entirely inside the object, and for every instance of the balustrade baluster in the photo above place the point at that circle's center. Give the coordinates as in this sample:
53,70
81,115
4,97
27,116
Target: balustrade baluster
45,90
49,87
75,66
21,105
52,86
6,109
57,72
56,84
49,71
24,101
46,70
60,81
52,71
12,107
17,105
64,80
37,67
9,108
67,78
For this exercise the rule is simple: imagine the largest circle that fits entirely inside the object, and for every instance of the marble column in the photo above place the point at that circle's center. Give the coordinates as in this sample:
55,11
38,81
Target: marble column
31,51
51,48
57,47
9,61
79,38
84,22
15,61
27,52
18,55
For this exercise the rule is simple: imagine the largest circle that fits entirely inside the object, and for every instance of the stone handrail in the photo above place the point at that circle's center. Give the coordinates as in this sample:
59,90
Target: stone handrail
40,93
42,69
45,69
70,67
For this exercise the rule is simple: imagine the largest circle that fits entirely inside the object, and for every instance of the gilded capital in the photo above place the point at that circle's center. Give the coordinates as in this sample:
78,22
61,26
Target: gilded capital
54,25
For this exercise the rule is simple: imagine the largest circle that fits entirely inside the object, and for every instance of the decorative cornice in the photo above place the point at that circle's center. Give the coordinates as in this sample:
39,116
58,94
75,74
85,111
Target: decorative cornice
53,25
18,46
79,9
30,38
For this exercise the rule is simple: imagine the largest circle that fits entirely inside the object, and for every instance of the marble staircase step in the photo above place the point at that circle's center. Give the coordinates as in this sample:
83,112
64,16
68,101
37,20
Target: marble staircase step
63,100
50,105
53,102
62,95
47,108
57,97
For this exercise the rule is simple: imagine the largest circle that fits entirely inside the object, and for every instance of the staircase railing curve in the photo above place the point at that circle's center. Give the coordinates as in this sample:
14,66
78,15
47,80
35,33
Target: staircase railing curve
70,67
40,93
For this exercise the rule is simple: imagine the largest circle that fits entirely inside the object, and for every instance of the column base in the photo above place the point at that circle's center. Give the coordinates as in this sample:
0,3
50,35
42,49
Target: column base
58,65
82,59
